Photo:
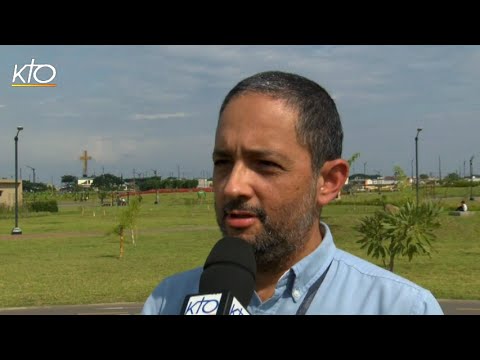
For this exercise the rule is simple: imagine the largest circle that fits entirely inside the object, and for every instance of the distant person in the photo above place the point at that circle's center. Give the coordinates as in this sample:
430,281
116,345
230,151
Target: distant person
463,206
277,163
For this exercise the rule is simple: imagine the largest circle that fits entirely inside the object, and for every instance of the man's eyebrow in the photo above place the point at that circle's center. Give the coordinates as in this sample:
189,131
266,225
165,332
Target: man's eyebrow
259,153
264,153
220,153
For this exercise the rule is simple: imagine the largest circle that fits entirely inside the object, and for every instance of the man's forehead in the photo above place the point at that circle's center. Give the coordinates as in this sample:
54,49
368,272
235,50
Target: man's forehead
259,101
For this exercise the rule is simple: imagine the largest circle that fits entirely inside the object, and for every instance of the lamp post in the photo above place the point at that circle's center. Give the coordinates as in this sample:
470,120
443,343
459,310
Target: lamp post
16,230
471,178
156,187
416,163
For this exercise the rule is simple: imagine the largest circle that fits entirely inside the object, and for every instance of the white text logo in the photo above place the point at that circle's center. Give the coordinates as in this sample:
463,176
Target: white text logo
41,78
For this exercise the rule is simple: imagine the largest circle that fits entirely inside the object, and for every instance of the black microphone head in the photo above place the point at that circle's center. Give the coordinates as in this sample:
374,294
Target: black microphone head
230,266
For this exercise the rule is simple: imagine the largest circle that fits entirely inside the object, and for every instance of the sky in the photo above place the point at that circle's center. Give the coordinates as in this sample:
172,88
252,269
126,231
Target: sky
154,108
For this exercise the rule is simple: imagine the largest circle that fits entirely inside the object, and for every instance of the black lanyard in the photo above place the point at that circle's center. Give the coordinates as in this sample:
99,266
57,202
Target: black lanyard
302,310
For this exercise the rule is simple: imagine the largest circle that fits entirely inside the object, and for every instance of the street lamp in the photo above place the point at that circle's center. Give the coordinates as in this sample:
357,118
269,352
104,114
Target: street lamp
416,163
156,188
16,230
471,178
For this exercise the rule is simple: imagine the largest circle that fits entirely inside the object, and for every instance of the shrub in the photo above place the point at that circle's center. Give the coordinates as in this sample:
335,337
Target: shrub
406,232
49,206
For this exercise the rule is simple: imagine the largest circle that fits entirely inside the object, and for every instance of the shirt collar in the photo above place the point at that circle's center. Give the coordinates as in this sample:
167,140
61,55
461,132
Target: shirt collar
312,266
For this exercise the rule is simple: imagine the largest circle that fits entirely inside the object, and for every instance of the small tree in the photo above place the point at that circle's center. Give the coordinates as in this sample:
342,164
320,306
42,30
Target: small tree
128,220
353,158
401,179
406,232
201,196
102,195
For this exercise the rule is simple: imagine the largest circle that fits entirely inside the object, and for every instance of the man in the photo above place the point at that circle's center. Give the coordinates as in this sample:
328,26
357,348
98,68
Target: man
277,162
463,206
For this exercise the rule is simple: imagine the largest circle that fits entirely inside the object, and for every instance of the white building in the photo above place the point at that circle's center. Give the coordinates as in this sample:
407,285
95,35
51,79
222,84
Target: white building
85,182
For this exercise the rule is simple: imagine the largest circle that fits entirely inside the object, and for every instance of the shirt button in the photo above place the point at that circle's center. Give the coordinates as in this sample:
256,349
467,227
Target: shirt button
296,294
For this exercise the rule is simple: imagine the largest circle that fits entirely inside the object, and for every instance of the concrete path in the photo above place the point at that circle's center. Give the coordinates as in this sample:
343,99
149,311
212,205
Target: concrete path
93,309
458,307
450,307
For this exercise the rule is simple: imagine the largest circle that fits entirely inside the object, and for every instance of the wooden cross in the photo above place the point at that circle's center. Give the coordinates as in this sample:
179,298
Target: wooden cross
85,159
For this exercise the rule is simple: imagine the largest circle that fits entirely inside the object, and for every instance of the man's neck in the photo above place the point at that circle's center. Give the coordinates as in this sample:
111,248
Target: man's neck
266,282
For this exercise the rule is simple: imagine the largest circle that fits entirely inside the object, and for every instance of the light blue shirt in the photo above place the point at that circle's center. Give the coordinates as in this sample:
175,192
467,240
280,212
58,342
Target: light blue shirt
352,286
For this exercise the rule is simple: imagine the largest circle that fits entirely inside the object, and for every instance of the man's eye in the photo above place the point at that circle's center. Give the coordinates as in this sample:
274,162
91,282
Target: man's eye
220,162
268,163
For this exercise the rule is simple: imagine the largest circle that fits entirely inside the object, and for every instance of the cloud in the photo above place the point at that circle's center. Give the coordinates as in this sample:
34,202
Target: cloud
159,116
1,106
64,114
50,100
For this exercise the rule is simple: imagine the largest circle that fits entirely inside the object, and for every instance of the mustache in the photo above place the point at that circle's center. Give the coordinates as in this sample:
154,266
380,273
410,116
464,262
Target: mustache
241,205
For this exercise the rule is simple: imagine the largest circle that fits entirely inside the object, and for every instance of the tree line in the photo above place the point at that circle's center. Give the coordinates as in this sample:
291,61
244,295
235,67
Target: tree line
109,182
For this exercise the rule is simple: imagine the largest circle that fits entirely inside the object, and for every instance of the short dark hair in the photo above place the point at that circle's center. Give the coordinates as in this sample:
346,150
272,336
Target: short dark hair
318,128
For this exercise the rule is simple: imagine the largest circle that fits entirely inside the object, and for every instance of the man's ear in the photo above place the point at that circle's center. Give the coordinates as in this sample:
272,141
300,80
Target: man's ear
331,179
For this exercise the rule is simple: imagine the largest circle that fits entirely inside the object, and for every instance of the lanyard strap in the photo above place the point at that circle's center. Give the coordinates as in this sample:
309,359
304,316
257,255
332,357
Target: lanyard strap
302,310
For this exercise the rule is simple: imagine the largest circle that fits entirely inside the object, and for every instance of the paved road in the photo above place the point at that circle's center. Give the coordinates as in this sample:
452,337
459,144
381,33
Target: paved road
94,309
458,307
450,307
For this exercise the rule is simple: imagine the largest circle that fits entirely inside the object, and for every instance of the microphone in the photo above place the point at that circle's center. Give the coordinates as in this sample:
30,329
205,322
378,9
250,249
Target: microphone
227,282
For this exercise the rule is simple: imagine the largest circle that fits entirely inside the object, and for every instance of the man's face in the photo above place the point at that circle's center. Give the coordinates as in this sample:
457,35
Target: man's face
264,189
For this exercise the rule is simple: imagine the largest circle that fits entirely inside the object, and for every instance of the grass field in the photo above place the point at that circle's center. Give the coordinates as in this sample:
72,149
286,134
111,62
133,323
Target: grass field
72,257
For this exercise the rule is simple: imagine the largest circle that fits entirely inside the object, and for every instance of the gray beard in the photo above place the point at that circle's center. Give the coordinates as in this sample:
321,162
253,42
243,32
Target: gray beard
279,241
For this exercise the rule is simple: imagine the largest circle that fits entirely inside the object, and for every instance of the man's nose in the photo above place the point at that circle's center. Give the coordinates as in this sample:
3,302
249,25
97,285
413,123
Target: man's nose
239,182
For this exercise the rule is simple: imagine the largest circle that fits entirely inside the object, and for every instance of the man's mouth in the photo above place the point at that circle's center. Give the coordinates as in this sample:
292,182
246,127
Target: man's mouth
240,214
240,219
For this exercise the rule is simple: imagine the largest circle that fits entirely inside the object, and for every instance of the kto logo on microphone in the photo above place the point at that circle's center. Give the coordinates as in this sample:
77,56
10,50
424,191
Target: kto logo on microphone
203,304
237,308
37,75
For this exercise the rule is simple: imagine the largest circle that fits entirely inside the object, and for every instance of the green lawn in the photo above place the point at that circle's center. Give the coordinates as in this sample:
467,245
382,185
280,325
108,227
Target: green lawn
70,258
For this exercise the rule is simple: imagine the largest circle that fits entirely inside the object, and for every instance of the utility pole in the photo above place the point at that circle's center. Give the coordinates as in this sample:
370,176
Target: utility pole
33,170
416,162
471,178
439,169
134,180
16,230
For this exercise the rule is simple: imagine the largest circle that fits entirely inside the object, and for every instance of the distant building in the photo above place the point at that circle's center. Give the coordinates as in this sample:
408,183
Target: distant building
380,184
205,183
474,178
7,192
85,182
